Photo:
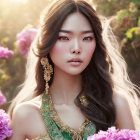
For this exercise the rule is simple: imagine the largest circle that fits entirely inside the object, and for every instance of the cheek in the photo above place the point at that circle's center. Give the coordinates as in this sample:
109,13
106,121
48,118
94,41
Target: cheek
58,50
89,50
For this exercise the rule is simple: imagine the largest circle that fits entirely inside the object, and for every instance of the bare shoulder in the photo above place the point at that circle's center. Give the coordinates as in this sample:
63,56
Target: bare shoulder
25,109
124,119
26,119
120,100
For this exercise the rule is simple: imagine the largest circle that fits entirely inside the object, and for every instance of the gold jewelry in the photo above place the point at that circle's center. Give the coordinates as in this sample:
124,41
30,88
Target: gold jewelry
83,100
48,71
76,134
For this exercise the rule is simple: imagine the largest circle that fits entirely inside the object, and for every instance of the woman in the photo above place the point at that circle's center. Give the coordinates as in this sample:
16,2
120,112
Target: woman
72,88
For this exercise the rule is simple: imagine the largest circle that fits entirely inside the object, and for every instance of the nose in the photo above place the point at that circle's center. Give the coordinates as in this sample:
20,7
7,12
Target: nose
76,49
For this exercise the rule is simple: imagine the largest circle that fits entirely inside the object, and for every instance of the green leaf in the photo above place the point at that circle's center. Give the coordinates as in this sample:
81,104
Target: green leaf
130,32
121,14
15,44
5,77
1,72
124,40
132,7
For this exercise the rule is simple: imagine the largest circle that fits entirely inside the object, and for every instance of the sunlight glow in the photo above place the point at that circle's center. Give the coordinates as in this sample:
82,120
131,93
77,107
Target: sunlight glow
21,1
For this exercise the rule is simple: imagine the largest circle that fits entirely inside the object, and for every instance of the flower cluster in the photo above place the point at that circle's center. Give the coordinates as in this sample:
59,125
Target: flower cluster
24,40
5,130
115,134
2,99
5,52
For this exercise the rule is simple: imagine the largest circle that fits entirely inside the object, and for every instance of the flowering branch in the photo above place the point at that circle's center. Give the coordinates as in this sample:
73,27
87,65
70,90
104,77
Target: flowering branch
115,134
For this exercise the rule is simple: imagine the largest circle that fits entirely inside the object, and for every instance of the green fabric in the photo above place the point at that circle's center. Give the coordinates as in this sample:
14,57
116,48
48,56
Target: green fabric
54,131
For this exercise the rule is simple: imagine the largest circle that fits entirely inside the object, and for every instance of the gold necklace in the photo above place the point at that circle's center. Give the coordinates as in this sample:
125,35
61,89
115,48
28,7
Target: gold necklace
76,134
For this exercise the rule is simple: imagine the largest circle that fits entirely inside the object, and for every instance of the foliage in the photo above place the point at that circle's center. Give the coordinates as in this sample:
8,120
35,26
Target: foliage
15,16
126,27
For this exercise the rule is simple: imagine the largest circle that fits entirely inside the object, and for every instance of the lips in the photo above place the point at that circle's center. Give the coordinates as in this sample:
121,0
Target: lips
75,61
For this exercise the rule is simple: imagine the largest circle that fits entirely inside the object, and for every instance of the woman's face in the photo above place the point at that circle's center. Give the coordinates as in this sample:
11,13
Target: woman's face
75,45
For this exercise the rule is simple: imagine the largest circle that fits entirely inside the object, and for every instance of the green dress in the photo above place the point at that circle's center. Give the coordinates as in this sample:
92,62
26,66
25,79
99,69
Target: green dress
56,130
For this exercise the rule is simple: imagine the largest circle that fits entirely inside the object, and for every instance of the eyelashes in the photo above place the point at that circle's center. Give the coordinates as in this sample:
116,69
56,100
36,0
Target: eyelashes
63,38
88,38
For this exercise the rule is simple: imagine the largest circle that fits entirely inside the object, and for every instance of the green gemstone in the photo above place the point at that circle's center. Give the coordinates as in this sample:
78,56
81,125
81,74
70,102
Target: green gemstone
66,135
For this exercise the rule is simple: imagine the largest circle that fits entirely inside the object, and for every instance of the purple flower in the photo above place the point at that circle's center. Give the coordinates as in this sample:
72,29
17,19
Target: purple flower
2,99
115,134
5,52
5,130
24,39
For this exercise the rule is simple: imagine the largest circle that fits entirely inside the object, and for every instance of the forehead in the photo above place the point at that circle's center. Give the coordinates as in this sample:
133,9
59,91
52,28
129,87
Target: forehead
76,22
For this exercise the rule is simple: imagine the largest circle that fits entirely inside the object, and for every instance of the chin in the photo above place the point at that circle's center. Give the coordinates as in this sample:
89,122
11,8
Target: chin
74,73
69,70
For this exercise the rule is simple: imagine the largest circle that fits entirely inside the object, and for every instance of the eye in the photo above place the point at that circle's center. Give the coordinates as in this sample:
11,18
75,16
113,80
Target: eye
88,38
63,38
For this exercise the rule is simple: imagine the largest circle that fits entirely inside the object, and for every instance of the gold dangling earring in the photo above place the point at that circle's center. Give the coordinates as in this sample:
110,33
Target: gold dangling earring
48,71
84,100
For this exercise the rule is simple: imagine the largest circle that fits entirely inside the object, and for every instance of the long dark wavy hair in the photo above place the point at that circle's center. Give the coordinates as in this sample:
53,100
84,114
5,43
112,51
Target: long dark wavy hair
96,80
99,79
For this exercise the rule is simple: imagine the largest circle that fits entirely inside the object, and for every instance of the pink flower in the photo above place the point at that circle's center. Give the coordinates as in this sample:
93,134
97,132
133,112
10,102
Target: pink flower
5,52
5,130
2,99
115,134
24,39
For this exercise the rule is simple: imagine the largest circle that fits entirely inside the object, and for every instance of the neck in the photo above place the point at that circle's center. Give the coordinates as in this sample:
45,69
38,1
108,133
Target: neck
65,87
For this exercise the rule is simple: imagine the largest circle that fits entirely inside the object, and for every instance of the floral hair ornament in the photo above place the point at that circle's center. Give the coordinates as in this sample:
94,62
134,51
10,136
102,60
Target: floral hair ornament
48,71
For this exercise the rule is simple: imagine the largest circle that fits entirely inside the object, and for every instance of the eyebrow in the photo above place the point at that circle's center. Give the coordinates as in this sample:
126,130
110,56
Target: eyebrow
83,32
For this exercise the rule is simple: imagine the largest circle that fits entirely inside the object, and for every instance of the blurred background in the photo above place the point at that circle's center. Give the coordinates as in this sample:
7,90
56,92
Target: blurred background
19,19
